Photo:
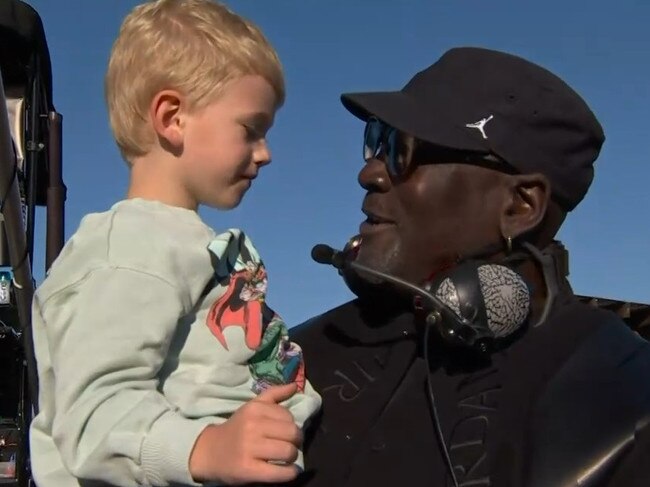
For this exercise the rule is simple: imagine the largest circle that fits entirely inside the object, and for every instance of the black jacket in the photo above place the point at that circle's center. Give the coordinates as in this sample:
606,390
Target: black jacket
566,404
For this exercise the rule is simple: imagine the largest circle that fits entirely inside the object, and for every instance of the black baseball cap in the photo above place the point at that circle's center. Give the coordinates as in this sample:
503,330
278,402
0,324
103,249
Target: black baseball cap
480,100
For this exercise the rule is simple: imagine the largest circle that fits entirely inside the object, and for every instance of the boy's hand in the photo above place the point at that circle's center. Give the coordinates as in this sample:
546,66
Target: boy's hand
239,450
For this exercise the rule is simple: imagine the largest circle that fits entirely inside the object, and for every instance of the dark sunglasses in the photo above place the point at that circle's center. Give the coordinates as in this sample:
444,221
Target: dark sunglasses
401,153
385,143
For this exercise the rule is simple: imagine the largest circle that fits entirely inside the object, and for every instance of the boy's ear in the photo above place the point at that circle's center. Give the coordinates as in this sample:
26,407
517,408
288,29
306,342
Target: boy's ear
525,204
165,113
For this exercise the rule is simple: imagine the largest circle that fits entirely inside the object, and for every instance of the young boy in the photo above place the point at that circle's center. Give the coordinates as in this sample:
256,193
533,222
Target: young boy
159,361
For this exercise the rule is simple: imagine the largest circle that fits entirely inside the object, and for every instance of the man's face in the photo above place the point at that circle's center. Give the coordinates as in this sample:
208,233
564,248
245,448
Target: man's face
441,210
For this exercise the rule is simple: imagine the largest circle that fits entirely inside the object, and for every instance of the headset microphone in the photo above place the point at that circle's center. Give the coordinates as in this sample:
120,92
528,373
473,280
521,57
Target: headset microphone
471,305
324,254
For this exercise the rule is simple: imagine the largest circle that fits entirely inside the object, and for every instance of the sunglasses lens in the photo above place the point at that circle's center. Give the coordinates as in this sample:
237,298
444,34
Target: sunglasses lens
398,153
392,153
383,142
372,139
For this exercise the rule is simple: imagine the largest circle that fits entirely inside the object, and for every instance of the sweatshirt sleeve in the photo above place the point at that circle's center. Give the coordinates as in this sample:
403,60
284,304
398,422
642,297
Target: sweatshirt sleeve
107,337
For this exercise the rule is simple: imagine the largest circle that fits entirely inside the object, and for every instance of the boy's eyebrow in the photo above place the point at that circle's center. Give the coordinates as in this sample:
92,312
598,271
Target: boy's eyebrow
259,117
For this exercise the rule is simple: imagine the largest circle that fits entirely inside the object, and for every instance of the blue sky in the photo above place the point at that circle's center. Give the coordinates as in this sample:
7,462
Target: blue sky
309,193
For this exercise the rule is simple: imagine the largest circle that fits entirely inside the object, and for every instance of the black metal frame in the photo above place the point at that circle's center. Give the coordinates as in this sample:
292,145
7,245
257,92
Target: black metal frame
25,71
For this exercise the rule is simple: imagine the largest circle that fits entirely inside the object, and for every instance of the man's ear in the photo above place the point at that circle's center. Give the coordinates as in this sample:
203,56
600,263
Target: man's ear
166,111
525,204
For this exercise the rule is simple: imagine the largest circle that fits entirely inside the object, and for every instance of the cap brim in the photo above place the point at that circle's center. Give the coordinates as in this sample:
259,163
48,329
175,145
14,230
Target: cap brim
399,110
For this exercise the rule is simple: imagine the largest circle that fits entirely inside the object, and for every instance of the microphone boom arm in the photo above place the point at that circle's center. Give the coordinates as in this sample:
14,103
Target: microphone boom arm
435,316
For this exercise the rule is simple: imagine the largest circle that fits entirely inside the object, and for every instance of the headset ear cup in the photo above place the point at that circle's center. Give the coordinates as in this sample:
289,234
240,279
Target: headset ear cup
490,300
459,289
506,297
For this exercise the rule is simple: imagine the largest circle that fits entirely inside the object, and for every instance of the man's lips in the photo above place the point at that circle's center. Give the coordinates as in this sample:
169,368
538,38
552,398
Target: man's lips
374,222
375,218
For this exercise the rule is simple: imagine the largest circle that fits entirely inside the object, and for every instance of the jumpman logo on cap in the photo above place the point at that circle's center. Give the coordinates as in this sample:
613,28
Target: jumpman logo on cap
480,125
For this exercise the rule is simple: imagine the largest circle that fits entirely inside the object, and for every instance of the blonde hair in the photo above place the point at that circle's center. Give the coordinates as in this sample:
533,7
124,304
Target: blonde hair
193,46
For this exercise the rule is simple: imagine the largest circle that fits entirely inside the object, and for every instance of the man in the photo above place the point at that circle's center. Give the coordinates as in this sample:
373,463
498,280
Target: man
477,159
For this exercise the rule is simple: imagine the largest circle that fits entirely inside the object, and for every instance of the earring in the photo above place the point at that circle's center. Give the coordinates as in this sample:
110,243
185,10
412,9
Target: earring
508,245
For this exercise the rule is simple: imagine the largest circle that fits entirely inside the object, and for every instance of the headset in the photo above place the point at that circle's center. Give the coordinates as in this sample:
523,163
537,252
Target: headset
474,304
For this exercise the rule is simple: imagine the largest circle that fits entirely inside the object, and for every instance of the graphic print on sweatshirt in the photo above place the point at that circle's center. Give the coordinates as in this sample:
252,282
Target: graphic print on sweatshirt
240,270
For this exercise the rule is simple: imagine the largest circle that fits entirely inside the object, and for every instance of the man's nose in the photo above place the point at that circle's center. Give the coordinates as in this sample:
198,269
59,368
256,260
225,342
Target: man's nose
374,176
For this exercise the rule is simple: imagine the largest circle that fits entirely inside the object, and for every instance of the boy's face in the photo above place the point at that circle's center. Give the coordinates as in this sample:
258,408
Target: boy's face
224,143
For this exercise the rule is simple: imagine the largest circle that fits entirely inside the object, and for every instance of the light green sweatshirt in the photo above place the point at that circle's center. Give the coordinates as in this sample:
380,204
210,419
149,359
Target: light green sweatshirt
148,327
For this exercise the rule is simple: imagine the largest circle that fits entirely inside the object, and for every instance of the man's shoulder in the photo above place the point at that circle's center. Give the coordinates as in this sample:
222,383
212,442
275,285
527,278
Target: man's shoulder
613,349
595,404
607,335
315,327
603,344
